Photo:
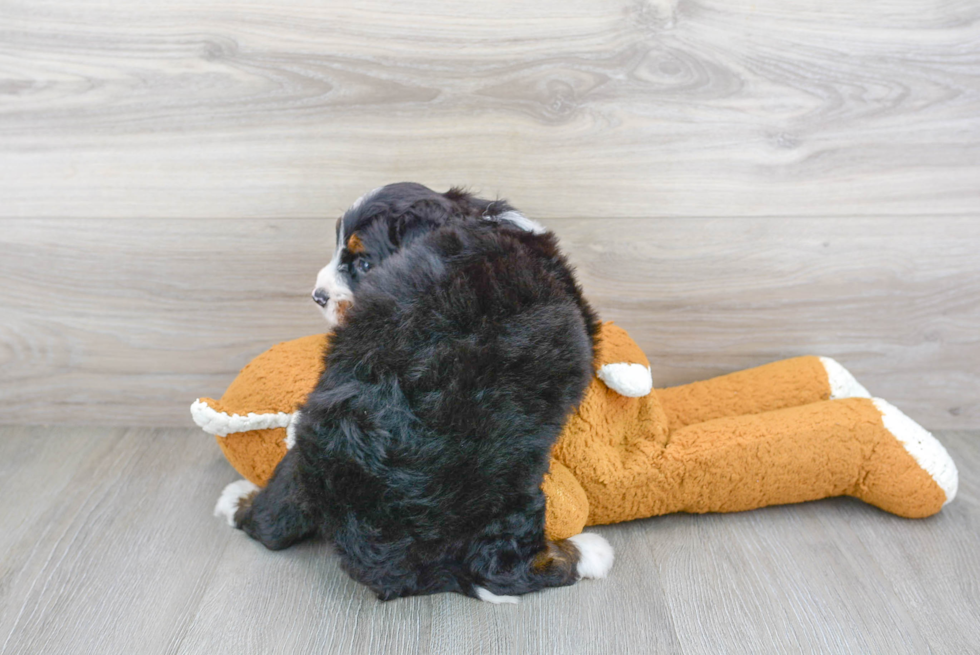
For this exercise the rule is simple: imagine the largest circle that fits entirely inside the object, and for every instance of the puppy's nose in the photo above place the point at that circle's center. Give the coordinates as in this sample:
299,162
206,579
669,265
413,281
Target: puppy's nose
321,297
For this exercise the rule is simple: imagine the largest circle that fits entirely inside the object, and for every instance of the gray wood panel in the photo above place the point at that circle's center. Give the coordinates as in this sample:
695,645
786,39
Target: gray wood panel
126,322
587,108
109,546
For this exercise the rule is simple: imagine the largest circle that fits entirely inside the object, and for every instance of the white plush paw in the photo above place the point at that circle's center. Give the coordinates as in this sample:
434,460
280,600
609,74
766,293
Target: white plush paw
490,597
632,380
231,499
924,448
595,555
842,383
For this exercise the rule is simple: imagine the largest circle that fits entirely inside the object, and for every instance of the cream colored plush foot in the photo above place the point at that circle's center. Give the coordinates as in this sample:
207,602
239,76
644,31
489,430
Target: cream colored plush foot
922,446
842,383
631,380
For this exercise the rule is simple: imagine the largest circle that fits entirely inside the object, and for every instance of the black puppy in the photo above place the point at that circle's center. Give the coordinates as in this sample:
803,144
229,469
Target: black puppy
461,343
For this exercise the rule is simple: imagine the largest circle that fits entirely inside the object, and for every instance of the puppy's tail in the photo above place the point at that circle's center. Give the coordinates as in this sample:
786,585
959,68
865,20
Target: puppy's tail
558,564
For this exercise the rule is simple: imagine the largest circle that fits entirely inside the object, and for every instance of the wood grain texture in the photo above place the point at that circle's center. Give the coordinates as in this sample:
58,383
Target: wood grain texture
110,547
109,541
584,108
127,322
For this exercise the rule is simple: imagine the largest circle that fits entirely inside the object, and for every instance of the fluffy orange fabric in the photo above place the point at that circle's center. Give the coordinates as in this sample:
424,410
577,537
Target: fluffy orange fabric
276,381
764,436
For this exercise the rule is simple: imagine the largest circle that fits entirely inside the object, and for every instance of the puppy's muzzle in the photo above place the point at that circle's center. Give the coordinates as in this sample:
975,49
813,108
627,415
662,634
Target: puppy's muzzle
321,297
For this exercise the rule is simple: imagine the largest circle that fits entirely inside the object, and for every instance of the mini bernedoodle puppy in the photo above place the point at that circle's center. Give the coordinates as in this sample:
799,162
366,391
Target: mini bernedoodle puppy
461,343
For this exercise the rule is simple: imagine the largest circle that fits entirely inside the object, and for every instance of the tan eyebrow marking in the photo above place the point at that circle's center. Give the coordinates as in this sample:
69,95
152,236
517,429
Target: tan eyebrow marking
354,244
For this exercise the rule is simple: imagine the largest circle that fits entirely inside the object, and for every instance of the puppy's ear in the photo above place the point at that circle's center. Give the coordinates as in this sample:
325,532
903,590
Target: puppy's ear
424,215
421,218
468,205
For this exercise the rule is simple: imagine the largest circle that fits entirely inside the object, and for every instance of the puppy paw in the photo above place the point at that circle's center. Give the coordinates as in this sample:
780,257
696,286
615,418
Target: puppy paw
490,597
595,555
232,498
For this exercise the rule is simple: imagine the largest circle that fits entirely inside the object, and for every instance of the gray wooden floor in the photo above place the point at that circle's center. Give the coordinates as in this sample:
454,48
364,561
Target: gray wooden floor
107,545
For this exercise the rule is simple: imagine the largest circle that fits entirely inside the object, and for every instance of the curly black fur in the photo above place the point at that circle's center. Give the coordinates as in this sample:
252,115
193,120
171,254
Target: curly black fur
421,452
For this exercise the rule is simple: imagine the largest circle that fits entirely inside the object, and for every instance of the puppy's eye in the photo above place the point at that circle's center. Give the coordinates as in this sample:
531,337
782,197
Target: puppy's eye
363,265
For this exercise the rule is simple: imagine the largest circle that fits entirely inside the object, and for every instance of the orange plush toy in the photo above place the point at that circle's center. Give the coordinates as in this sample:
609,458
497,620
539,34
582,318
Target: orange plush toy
790,431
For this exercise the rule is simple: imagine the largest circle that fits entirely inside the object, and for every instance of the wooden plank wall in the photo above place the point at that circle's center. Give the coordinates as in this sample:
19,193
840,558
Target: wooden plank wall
737,181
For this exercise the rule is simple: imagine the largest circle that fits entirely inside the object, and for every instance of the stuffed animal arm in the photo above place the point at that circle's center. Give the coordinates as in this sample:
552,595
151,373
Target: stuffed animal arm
254,419
790,431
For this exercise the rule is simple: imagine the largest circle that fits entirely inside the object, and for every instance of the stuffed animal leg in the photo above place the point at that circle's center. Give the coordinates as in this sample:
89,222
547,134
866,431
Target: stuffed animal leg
782,384
817,450
790,431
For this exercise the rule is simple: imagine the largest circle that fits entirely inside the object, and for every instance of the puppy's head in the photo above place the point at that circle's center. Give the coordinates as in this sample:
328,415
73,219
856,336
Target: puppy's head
387,219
